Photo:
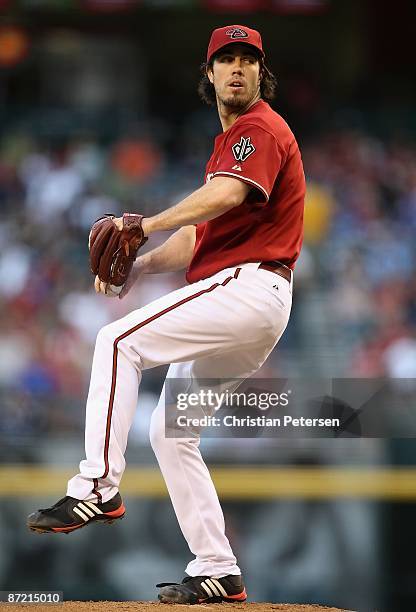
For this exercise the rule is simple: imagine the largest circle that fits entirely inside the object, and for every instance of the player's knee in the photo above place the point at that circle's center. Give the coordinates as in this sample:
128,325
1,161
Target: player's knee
160,436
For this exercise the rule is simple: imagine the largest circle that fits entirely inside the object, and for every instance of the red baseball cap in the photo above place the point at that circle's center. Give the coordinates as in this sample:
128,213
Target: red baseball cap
221,37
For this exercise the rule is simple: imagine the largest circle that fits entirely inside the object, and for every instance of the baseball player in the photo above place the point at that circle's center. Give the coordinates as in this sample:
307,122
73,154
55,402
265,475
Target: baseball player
238,237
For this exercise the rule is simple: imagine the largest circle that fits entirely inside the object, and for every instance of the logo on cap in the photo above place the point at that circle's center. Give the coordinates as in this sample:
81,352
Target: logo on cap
236,33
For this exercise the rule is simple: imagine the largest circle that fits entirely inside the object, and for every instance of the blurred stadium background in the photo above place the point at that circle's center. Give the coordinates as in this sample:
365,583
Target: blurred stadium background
98,113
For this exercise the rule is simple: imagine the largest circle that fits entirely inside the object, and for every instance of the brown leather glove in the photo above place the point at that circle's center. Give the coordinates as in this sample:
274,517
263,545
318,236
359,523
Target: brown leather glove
113,251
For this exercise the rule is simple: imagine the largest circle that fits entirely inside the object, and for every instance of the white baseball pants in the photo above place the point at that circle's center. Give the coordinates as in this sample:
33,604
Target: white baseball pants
223,326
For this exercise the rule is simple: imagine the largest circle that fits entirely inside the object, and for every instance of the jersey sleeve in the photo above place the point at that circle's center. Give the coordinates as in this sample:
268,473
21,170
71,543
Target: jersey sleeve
252,155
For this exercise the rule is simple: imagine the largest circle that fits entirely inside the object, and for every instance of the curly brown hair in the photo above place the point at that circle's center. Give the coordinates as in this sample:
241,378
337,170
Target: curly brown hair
268,83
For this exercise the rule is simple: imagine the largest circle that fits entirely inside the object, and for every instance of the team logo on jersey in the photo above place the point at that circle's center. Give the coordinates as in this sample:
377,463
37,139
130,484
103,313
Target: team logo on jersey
236,33
243,149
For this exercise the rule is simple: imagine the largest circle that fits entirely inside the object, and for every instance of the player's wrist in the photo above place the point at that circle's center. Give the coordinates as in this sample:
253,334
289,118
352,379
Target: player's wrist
147,226
157,223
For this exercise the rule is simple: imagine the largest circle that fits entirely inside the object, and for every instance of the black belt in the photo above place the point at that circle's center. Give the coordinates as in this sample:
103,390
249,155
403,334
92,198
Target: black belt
278,268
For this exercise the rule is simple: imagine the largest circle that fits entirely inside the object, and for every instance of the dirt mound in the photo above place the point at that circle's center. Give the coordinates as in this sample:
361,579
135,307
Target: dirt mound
147,606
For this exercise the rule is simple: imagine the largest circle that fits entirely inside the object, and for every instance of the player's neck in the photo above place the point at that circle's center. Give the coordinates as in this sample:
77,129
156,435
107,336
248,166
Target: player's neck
228,115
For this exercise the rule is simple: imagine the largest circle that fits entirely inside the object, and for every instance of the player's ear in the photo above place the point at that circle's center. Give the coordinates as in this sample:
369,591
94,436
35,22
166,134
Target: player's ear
210,73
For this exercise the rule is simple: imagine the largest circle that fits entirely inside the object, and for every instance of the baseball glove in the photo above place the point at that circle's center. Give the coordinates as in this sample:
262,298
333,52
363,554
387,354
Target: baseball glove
113,251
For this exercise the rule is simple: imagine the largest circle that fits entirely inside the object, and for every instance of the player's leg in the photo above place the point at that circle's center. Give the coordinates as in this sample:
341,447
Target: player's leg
187,478
189,483
191,489
209,317
177,327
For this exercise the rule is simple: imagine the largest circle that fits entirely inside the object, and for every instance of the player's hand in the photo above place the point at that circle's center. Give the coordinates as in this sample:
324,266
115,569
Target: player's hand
105,288
139,268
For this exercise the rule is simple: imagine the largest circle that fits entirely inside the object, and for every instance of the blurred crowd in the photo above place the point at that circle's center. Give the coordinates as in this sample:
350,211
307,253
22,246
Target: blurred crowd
361,222
358,261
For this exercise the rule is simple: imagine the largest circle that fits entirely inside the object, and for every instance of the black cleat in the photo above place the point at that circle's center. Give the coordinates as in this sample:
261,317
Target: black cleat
69,514
203,589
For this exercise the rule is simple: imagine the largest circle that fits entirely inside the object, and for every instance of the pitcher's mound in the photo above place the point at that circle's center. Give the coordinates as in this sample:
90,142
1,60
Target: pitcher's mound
146,606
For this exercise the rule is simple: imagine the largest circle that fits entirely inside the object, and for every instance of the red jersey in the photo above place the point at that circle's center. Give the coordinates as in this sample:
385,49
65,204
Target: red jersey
259,149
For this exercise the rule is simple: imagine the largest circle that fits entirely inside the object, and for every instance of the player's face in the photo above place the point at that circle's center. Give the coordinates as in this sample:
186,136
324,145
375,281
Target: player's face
235,75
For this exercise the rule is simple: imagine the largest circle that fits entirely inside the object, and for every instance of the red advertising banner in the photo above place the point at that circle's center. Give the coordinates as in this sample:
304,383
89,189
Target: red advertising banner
109,6
299,7
237,6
